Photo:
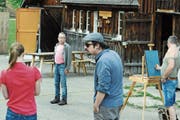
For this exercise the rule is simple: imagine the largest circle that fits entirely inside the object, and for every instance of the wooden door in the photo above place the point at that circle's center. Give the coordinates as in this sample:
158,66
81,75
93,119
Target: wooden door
27,21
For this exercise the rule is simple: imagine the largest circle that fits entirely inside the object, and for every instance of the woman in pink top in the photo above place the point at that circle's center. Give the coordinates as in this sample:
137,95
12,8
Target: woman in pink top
20,83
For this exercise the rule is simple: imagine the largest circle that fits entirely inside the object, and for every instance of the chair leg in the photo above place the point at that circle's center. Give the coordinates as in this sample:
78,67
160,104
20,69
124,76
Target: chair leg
160,92
84,68
144,104
79,65
129,94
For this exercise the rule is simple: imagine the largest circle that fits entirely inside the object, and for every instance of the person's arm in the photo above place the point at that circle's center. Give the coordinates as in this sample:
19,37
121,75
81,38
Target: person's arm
5,91
69,59
99,98
170,67
38,87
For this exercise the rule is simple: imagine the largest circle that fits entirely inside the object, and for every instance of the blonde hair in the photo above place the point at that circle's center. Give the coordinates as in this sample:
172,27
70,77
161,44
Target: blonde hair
62,34
15,51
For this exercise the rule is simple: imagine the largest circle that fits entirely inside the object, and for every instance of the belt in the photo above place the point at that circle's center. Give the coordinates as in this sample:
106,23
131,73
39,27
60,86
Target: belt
172,78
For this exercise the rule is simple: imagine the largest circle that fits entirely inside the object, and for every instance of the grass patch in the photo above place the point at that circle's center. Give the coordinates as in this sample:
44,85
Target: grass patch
12,32
137,93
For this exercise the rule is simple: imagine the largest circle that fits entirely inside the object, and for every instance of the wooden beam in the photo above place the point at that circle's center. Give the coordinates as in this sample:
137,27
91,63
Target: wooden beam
173,25
152,28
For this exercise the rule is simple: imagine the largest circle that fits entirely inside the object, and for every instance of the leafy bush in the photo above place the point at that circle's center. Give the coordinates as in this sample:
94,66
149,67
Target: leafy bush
15,3
2,3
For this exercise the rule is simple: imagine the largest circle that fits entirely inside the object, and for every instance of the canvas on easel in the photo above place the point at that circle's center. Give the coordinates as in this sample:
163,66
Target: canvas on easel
149,61
151,58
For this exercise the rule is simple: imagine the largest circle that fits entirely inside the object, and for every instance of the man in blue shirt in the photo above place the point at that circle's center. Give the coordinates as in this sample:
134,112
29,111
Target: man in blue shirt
108,78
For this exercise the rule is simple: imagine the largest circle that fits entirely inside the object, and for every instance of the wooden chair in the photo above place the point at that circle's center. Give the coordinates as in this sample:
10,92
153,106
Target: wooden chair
81,64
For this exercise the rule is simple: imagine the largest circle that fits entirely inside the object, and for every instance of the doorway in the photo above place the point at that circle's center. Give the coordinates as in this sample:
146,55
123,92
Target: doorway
162,32
166,31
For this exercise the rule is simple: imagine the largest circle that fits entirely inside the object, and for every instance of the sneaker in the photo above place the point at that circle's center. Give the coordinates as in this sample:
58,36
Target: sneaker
177,89
55,100
62,102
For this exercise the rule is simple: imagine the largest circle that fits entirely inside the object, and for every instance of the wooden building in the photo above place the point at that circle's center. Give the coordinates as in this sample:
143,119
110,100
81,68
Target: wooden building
128,26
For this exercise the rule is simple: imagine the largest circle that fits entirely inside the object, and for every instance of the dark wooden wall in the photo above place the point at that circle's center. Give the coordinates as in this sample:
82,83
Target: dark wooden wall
176,29
139,29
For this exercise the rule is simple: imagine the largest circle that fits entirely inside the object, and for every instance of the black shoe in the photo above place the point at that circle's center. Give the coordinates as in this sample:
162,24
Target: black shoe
55,100
177,89
62,102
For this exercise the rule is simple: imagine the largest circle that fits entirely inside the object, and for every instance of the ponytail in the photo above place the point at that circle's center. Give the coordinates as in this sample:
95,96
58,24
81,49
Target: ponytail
15,51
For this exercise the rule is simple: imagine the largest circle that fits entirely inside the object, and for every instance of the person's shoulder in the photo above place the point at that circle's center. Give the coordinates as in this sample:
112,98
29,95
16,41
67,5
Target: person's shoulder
66,44
3,72
56,44
2,75
32,69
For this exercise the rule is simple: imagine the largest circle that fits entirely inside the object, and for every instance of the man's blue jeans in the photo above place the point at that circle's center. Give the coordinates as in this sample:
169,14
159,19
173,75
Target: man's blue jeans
169,91
60,77
14,116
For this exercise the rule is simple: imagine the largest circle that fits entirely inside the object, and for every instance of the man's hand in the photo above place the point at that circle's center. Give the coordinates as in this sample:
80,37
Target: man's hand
163,80
96,108
157,67
66,71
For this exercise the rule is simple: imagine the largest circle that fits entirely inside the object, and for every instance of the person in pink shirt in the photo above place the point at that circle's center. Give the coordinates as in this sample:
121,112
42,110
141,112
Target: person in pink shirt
20,83
63,54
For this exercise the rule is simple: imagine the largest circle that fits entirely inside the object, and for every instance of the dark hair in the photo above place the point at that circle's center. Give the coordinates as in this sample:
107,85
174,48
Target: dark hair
15,51
103,45
173,39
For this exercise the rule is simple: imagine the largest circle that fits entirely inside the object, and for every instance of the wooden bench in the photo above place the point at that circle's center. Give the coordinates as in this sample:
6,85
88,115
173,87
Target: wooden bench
27,62
81,64
51,62
48,61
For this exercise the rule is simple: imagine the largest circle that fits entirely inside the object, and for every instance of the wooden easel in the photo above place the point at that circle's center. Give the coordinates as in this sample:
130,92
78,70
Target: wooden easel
145,81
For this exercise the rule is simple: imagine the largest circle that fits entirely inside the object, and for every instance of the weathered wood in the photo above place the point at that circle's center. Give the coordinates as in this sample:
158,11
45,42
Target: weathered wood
4,31
176,29
152,28
166,4
138,20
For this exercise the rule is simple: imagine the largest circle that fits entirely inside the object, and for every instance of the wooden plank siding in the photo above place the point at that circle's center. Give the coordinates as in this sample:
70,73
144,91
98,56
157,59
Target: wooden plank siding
136,34
142,22
176,26
168,5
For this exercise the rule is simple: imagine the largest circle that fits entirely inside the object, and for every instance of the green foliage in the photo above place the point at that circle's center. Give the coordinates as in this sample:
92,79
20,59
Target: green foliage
15,3
2,3
12,32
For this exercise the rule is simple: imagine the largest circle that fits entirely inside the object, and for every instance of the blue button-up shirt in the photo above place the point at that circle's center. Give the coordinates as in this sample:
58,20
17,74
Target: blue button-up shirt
108,78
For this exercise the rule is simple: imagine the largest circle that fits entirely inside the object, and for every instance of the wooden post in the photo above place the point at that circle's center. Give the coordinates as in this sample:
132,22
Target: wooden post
152,28
153,21
4,31
173,25
150,45
143,64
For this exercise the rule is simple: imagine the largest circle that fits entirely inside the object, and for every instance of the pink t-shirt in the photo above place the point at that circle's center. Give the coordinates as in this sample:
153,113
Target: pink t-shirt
20,82
59,57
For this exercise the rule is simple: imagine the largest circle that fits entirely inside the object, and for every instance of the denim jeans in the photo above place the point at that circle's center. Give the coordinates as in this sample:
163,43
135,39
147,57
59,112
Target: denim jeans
60,77
106,113
14,116
169,91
